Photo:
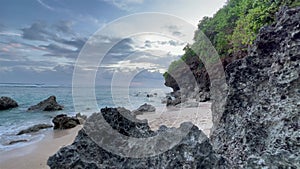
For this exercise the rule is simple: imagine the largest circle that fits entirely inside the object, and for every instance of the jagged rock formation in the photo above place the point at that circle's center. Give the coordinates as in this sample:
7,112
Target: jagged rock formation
194,151
63,121
35,128
260,127
7,103
49,104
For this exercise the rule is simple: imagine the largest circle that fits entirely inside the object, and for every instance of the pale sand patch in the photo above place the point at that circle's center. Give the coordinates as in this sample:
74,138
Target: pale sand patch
201,116
35,156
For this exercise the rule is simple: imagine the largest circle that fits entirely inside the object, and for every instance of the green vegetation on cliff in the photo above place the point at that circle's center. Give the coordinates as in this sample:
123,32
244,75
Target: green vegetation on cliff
234,27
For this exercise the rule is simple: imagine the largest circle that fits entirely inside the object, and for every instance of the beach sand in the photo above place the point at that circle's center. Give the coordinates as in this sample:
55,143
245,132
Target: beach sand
201,116
35,156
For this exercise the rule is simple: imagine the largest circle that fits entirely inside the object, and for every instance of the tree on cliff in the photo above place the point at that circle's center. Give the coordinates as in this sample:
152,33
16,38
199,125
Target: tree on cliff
232,30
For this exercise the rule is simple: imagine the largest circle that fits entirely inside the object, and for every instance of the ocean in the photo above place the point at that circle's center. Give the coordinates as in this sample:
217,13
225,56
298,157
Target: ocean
14,120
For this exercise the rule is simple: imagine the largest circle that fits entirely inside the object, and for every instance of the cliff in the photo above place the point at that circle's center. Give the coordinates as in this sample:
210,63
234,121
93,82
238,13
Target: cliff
260,125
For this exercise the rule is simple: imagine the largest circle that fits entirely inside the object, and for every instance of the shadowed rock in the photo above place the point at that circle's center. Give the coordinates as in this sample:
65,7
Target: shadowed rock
62,121
193,151
49,104
35,128
7,103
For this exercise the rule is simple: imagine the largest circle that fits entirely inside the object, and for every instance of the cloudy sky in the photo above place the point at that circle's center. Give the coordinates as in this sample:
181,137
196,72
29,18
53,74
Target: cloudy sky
40,40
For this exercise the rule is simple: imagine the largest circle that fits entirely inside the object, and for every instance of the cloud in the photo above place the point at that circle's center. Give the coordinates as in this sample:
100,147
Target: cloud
175,30
37,31
64,26
60,39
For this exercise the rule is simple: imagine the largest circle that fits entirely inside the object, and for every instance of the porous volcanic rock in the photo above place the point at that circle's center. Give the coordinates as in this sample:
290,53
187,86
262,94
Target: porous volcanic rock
193,151
260,127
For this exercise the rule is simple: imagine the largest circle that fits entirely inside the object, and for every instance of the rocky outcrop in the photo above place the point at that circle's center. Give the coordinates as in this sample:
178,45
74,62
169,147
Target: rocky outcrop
193,151
35,128
144,108
7,103
190,79
260,127
63,121
49,104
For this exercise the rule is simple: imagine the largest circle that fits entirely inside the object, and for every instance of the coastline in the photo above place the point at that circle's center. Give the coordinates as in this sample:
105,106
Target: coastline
36,155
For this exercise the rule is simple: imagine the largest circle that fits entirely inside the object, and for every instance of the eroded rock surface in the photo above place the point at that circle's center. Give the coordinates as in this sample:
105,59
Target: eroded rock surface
193,151
260,127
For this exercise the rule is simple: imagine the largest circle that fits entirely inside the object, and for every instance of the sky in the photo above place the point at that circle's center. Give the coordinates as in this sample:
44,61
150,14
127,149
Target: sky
40,40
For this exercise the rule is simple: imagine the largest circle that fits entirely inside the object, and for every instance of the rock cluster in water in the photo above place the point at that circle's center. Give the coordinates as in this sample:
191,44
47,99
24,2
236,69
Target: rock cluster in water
260,127
7,103
49,104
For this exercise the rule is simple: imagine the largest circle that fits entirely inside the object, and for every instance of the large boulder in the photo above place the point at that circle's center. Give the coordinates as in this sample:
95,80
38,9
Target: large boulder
260,126
35,128
7,103
63,121
49,104
193,151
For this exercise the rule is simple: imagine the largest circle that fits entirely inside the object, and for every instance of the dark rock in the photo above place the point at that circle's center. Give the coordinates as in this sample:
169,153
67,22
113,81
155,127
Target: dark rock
35,128
149,95
144,108
171,102
62,121
260,127
49,104
7,103
193,151
81,118
17,141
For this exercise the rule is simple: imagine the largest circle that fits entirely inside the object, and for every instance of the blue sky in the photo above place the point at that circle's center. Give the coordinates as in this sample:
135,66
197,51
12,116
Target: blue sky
40,39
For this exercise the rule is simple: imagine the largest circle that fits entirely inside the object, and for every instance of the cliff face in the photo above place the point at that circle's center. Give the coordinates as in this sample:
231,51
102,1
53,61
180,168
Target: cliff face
192,80
260,126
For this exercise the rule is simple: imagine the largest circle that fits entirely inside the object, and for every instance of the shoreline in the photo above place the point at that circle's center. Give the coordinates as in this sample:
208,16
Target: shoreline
36,154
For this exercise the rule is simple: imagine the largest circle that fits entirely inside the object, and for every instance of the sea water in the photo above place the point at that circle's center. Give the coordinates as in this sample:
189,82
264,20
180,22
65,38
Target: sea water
14,120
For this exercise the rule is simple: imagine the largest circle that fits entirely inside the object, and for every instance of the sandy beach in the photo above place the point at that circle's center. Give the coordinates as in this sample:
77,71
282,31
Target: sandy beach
35,156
